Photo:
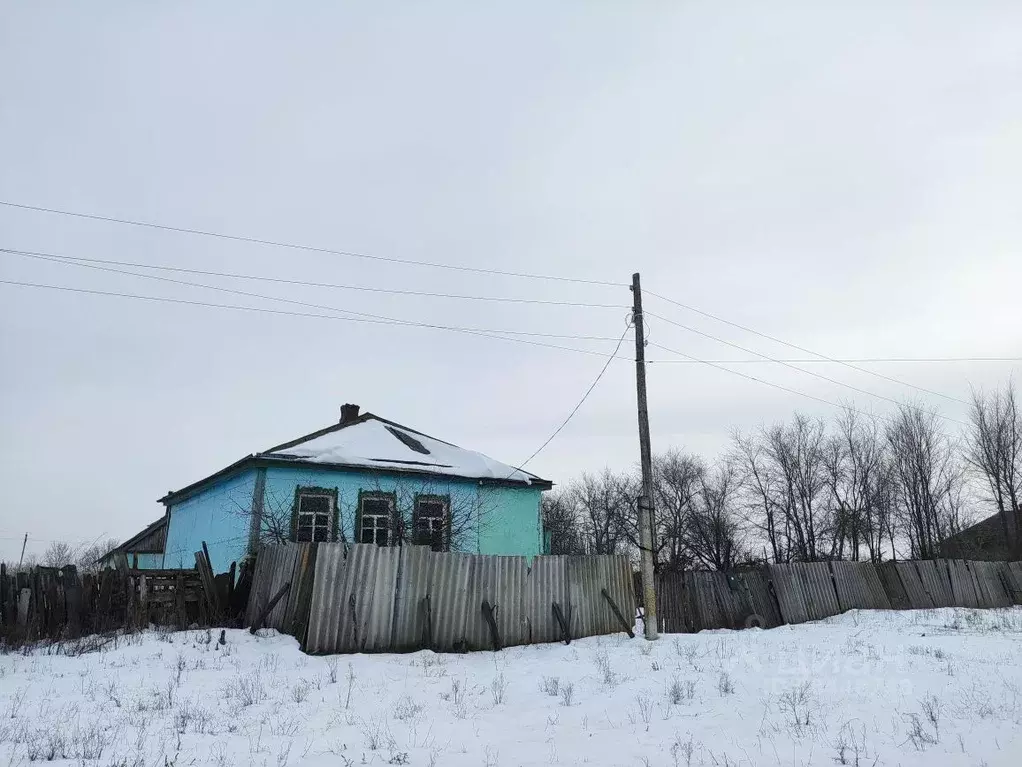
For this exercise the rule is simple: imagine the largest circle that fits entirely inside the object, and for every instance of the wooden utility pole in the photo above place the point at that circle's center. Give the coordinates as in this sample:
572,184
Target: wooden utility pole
646,460
24,543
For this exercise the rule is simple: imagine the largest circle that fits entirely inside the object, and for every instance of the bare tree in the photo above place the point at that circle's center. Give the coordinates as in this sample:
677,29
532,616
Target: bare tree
602,504
59,554
676,483
561,520
858,475
994,452
928,479
761,484
712,531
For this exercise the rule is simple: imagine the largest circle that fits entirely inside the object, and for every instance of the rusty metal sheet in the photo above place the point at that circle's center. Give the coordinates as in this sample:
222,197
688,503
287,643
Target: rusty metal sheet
547,583
991,591
963,585
499,580
449,582
934,576
409,630
790,593
858,586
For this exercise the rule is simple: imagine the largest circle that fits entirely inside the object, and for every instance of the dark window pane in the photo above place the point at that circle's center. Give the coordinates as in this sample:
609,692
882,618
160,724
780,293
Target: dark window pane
376,506
321,534
314,504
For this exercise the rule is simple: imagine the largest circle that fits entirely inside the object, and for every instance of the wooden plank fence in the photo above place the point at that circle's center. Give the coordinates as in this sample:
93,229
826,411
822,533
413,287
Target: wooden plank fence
47,603
799,592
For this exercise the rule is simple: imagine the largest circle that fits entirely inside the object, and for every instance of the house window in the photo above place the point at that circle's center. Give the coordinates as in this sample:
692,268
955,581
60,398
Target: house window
376,516
314,516
430,521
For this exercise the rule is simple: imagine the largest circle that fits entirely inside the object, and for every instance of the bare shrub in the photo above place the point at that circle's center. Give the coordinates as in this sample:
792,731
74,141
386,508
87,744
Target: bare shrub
498,688
679,692
406,709
331,666
645,706
602,661
550,685
567,694
300,691
725,685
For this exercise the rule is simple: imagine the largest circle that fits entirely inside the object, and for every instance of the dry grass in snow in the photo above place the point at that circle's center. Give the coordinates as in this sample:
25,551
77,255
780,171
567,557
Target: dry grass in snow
935,687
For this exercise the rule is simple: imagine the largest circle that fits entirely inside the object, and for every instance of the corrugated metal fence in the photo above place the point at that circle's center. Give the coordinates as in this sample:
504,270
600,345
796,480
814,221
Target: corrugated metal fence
805,591
347,598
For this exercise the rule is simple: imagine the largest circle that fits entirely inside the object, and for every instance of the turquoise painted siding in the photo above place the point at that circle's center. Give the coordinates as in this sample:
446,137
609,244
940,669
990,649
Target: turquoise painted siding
487,519
219,515
516,528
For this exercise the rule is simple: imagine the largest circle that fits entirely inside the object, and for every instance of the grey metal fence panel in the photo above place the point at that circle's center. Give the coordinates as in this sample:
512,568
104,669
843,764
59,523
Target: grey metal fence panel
449,582
619,582
409,630
918,597
715,607
992,592
963,584
790,593
500,581
370,577
890,579
858,586
327,609
547,583
586,603
821,594
933,574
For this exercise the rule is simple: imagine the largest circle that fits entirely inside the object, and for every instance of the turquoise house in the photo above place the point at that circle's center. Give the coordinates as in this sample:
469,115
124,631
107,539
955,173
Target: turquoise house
363,479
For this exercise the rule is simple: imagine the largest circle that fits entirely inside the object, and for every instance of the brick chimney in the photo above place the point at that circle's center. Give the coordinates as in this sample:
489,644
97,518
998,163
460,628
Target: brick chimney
349,413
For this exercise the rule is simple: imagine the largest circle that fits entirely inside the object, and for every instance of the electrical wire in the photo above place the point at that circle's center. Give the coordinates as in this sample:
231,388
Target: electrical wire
802,349
281,312
298,246
768,383
579,405
313,284
789,365
379,318
810,361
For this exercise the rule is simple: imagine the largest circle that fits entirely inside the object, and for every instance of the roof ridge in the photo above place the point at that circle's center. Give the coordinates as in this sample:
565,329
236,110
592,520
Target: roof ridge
320,432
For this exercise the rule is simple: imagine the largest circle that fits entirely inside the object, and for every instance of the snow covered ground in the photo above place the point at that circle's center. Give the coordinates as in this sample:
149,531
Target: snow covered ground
867,688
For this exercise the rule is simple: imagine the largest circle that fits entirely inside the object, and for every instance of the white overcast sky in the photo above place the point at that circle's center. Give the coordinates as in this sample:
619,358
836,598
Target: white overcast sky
846,178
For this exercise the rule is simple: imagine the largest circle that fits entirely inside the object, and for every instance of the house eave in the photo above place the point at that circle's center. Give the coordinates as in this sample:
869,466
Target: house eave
265,461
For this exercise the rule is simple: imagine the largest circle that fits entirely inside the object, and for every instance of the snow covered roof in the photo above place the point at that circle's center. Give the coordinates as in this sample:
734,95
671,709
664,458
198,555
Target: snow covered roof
373,442
369,442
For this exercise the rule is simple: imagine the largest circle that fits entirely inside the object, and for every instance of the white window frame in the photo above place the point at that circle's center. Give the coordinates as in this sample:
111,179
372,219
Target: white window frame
376,517
330,514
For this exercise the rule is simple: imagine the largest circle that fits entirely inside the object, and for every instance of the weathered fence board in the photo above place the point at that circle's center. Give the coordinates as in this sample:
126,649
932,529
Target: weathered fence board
500,582
991,590
858,586
671,601
1012,573
449,581
918,597
760,604
410,631
963,584
933,574
325,608
790,593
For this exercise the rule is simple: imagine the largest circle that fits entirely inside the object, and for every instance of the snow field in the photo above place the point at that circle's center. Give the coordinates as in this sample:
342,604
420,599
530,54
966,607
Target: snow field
865,688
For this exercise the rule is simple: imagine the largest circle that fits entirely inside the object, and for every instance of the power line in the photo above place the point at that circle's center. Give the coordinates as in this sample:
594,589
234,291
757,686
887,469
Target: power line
281,312
760,380
298,246
381,319
580,403
795,367
313,284
871,360
802,349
